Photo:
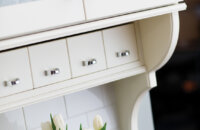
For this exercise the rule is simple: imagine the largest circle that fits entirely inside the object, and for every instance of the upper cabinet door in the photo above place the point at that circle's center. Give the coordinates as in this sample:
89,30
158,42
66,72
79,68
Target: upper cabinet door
40,15
96,9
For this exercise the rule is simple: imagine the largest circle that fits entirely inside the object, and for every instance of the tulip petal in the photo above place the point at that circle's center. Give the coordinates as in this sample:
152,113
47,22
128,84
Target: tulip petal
46,126
98,122
59,122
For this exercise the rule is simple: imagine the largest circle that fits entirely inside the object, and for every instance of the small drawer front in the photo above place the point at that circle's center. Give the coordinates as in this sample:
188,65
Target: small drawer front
96,9
49,63
15,71
120,45
86,53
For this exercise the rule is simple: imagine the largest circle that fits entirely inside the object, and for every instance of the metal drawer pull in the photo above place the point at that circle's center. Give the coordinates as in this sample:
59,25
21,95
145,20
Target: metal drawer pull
52,72
90,62
123,54
12,83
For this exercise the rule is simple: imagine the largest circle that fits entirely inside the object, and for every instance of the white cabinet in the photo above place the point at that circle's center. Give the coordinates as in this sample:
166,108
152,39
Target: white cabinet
15,72
120,45
72,45
49,62
86,53
109,56
96,9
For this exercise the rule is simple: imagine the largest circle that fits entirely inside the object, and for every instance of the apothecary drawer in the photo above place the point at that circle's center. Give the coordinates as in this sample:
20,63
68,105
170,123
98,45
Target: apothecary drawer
120,45
86,53
60,60
49,62
15,71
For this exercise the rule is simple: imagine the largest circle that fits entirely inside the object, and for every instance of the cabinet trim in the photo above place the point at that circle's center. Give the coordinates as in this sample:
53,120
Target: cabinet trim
86,27
70,86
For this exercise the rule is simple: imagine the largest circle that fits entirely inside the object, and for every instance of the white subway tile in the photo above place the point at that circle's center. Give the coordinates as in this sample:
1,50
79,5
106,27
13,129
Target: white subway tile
81,108
74,123
13,120
84,101
38,113
37,128
109,116
115,129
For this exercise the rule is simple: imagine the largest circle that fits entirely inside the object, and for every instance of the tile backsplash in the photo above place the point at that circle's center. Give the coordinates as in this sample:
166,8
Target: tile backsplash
13,120
76,108
37,113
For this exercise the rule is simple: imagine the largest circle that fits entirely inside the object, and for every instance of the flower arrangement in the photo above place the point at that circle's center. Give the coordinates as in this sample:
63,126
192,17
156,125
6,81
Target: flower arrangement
57,123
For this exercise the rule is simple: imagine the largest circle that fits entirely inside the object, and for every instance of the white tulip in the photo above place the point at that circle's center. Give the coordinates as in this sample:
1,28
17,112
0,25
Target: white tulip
98,122
46,126
59,122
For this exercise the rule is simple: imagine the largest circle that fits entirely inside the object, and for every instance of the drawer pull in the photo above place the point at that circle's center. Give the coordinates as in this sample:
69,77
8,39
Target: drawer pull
52,72
123,54
12,83
90,62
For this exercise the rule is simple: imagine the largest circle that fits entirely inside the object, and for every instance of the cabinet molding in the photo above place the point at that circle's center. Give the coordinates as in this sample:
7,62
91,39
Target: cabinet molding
24,40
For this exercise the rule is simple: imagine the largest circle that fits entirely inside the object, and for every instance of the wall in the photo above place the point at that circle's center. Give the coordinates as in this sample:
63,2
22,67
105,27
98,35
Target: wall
75,108
80,107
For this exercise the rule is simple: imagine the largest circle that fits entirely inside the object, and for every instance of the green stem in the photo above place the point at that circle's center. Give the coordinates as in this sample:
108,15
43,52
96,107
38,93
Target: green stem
104,127
52,123
81,127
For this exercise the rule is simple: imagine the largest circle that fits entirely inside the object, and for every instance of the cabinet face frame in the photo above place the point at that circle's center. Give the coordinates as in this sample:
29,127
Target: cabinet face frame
37,16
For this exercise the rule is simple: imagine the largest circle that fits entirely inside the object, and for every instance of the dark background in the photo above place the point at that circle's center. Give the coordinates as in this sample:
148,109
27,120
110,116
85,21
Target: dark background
176,100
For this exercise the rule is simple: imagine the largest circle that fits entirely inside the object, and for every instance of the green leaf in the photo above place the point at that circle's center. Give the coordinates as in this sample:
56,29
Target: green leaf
104,127
52,123
66,127
81,127
59,129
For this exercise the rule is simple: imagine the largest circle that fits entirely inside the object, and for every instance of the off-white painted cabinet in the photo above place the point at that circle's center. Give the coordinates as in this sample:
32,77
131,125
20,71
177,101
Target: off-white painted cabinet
121,51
